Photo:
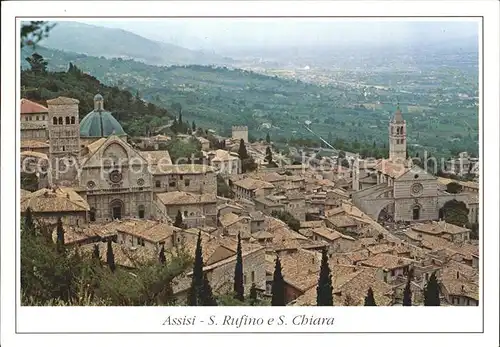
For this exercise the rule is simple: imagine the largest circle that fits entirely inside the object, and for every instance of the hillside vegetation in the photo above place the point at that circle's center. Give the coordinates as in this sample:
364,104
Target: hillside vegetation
218,97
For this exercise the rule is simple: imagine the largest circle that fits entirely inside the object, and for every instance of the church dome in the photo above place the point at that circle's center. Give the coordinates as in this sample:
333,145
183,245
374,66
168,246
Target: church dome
99,122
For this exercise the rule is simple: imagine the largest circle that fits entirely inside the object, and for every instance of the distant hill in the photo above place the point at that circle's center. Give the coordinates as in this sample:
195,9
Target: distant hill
218,97
119,43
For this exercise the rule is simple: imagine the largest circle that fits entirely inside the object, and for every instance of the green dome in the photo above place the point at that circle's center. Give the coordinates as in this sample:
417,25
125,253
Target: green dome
100,124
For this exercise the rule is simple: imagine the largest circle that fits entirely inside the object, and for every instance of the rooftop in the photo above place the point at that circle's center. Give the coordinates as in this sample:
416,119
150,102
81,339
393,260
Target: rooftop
185,198
59,199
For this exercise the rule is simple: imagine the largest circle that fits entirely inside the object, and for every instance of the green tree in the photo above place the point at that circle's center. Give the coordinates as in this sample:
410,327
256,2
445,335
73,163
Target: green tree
369,299
161,256
29,225
253,294
34,31
407,294
431,292
60,235
195,293
239,289
268,138
110,257
95,253
37,63
453,188
193,127
288,218
278,286
455,212
207,294
324,290
178,220
242,150
269,155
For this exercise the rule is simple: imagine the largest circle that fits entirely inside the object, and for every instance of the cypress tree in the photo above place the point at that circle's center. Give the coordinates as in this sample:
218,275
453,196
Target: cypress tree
278,287
242,150
253,294
239,290
60,235
193,126
431,292
324,295
110,257
95,253
207,298
28,221
369,299
196,290
407,292
268,138
161,256
269,155
178,219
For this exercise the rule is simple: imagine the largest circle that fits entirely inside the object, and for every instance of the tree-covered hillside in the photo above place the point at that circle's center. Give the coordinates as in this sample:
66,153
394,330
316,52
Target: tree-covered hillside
218,97
135,115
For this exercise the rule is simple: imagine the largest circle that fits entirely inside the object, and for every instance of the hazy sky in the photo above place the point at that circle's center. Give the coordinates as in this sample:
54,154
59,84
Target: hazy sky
221,33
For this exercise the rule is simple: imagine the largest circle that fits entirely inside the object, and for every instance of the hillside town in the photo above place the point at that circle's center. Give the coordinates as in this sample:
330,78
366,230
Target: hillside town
385,227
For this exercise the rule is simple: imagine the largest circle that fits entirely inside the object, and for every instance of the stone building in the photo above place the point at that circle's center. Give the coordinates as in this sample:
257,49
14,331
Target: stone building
34,119
403,191
197,210
240,132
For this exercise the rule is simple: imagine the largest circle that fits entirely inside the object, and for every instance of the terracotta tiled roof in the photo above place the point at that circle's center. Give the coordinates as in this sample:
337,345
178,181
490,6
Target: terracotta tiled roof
438,228
312,224
28,106
34,155
24,193
231,218
185,198
33,144
387,261
342,221
356,285
222,155
155,158
253,184
152,231
54,200
300,268
62,100
187,169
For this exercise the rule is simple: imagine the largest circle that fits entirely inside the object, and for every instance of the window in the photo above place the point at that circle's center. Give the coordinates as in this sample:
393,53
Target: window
171,184
92,214
186,182
73,120
60,120
180,177
185,213
157,184
67,120
244,279
141,212
63,148
253,276
37,118
54,120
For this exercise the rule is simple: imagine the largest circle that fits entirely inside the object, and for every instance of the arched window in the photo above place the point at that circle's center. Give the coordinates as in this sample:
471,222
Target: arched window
92,214
397,130
54,120
141,211
67,120
60,120
73,120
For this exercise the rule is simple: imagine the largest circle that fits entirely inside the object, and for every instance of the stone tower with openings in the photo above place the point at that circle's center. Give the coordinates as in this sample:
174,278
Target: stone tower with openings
397,137
240,132
64,140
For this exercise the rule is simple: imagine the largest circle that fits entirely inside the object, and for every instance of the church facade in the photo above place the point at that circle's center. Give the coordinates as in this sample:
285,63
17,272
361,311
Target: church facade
93,158
401,191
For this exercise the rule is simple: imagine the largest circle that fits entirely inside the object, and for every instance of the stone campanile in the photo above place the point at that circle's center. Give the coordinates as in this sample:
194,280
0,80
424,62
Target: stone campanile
397,137
64,139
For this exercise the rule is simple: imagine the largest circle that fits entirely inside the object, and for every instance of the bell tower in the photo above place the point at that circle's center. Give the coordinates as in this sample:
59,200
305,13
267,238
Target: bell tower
397,137
64,139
